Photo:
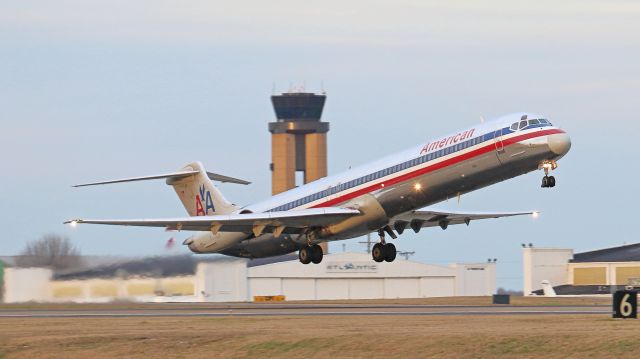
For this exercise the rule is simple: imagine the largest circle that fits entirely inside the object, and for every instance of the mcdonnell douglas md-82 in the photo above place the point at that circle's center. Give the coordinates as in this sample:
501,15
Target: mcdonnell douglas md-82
386,196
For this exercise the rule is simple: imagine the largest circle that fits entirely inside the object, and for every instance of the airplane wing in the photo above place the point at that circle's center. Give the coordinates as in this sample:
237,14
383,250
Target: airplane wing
256,223
431,218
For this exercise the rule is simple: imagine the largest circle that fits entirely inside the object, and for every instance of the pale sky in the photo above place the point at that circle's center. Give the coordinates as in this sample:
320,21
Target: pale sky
109,89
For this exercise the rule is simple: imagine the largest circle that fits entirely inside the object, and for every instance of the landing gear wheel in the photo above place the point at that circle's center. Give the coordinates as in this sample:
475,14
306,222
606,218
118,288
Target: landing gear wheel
305,255
552,181
390,252
378,252
545,182
316,254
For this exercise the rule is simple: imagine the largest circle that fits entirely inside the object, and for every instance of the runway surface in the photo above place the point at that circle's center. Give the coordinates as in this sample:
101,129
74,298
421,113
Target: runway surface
262,310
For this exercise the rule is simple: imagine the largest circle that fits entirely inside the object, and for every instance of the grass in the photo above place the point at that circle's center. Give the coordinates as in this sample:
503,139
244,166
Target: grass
525,336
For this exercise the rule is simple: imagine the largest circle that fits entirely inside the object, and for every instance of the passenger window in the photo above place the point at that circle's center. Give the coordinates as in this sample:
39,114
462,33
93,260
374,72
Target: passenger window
523,124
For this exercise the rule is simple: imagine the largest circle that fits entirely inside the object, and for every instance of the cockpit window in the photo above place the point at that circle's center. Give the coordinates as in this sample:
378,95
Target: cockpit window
523,124
534,122
545,121
514,127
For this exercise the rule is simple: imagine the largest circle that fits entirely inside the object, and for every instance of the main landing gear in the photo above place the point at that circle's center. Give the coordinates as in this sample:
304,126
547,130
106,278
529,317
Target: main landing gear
311,254
383,251
548,181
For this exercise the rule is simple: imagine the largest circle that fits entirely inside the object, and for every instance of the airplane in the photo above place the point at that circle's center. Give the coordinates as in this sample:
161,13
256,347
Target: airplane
386,196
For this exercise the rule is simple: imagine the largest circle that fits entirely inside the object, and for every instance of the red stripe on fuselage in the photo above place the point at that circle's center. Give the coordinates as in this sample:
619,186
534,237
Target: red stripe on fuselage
440,165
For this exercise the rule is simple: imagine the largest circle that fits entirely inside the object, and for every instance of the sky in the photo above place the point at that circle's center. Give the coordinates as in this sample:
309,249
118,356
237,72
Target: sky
109,89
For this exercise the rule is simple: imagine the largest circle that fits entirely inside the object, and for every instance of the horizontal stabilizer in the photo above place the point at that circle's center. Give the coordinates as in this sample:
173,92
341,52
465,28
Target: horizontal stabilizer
174,175
221,178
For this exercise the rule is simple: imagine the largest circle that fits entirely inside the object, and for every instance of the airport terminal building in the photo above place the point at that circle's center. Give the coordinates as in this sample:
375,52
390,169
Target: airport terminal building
225,279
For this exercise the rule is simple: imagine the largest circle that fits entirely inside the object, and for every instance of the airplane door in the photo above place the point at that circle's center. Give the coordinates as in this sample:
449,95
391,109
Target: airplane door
499,144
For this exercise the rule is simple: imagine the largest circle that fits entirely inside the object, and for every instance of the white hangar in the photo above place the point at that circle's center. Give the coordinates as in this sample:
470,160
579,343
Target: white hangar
190,278
340,276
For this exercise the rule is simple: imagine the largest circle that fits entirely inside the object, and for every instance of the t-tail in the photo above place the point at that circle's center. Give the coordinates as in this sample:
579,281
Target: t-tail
198,194
194,186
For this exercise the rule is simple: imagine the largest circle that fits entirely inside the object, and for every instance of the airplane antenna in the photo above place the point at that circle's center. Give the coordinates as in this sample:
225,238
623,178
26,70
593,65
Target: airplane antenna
406,255
369,243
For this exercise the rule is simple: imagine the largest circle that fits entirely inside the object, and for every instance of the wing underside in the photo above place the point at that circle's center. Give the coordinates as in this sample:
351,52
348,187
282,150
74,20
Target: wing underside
282,222
432,218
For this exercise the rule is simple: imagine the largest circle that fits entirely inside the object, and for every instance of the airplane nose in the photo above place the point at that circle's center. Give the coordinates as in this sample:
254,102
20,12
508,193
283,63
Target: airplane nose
559,143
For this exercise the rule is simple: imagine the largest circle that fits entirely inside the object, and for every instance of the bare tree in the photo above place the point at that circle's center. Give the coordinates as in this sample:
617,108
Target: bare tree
510,292
51,250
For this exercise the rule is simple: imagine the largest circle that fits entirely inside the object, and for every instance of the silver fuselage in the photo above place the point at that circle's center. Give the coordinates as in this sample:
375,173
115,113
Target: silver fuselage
419,177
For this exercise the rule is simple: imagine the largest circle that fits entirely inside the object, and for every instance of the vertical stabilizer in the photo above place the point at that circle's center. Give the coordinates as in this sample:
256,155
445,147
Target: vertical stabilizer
547,289
198,194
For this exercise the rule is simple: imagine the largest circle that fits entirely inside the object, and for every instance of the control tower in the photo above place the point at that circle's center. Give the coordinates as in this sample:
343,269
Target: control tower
298,139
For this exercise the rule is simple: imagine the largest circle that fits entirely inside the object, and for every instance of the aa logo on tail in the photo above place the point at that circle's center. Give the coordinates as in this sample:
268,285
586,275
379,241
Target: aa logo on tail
206,196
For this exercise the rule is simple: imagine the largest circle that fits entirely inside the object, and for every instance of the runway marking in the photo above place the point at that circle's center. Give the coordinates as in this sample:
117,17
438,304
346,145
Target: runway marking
306,313
305,306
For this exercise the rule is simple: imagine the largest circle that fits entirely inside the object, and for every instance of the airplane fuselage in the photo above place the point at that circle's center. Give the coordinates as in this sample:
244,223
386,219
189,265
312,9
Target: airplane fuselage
443,168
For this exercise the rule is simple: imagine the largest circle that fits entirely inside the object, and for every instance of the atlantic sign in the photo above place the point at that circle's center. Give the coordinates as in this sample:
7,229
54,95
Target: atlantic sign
352,267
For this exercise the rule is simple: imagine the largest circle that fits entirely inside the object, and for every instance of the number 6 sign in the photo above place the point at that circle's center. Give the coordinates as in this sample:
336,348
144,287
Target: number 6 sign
625,304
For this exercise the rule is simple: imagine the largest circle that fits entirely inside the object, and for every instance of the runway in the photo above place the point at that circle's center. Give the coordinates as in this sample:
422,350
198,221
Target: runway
264,310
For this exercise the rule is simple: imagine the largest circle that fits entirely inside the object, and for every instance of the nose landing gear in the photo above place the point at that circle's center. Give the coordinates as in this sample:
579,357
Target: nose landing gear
548,181
383,251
